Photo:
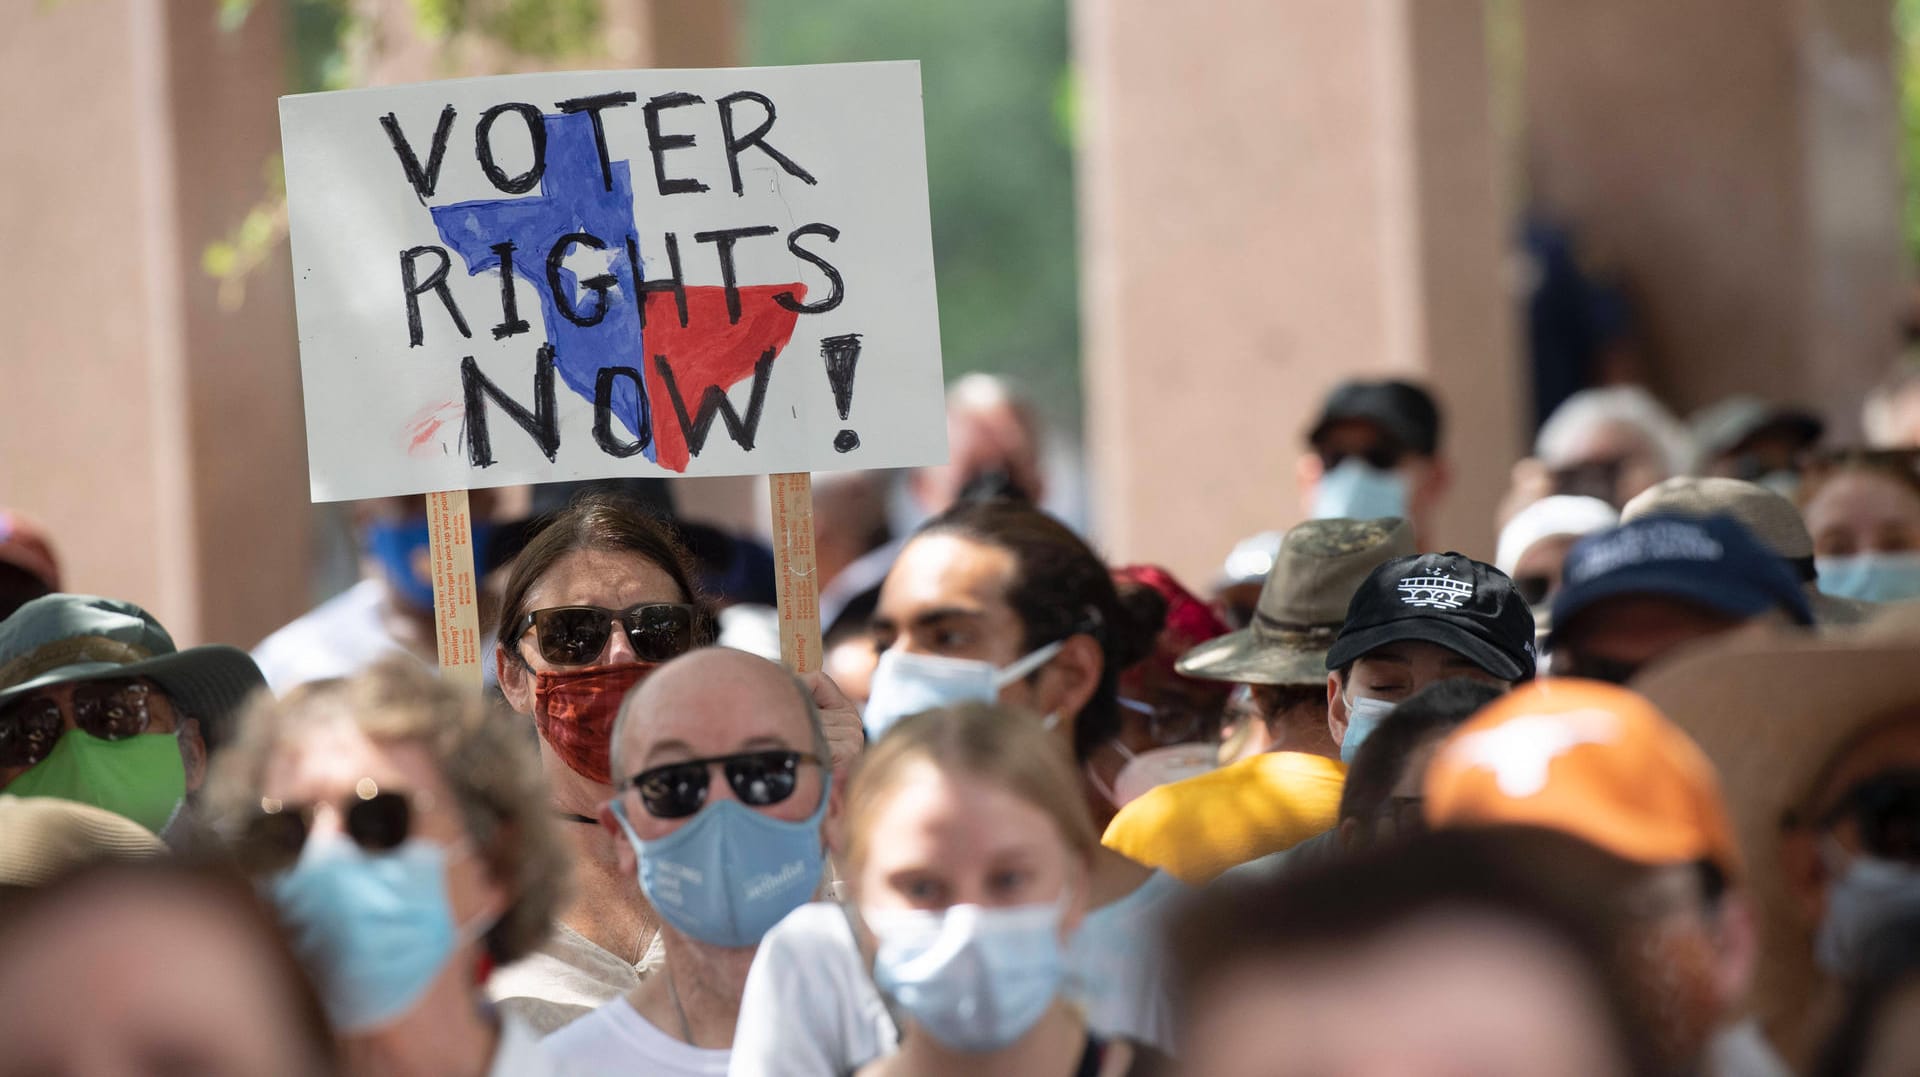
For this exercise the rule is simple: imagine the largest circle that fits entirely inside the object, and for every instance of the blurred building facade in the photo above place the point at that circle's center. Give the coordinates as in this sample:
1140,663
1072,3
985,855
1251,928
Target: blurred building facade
1274,196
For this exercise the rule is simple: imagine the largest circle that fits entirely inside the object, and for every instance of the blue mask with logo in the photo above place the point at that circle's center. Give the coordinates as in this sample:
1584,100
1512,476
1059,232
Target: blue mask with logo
375,928
1364,715
1356,490
404,550
732,873
1871,577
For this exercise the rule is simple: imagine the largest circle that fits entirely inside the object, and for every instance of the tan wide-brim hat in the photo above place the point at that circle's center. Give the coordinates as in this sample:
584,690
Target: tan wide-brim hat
1771,708
42,838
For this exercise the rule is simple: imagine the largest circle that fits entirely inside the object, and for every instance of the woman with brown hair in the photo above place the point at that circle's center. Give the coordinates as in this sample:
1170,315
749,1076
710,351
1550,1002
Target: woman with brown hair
402,831
992,601
970,858
1863,510
602,563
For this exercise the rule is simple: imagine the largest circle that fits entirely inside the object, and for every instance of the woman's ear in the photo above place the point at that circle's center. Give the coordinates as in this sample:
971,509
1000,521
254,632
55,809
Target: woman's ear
1072,677
516,680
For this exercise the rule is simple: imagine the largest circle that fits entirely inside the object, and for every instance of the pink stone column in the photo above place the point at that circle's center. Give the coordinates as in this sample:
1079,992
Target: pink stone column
1736,162
159,436
1275,197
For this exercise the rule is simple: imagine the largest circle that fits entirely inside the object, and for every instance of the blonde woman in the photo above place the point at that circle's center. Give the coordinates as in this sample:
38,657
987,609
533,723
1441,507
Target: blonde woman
402,830
969,851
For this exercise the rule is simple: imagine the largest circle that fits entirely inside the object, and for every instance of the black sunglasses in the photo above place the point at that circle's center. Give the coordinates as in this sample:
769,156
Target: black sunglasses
270,842
758,779
1886,809
110,710
575,635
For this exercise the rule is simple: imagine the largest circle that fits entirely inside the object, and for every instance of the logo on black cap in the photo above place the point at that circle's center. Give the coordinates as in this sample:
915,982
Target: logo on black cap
1435,592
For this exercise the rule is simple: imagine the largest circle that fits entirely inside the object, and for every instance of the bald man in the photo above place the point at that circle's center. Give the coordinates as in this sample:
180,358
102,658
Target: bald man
722,782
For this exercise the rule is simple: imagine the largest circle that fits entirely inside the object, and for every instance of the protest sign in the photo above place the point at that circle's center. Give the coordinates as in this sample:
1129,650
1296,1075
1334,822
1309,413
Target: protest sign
567,276
547,277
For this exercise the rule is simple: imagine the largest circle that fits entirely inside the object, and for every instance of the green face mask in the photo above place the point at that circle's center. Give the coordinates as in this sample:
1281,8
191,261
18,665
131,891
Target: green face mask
140,777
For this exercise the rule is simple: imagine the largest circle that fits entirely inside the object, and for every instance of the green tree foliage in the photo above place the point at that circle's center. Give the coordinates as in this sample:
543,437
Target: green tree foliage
999,162
329,42
1906,15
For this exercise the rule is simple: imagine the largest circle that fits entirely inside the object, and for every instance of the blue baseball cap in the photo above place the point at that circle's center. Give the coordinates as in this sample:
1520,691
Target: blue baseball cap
1713,562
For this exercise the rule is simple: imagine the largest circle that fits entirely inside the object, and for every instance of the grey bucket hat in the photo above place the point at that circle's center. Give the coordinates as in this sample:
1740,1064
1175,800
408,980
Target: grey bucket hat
1302,605
61,638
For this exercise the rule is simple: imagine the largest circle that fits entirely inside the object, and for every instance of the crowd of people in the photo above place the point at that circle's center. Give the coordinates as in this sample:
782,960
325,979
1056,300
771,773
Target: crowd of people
1635,795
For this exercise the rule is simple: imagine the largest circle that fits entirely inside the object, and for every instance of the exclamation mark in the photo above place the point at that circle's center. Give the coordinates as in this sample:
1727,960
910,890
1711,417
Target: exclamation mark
842,354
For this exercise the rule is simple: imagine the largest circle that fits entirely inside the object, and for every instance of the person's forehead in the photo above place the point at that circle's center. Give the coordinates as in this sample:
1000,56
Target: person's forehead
716,711
328,760
183,937
958,815
1860,495
614,579
942,569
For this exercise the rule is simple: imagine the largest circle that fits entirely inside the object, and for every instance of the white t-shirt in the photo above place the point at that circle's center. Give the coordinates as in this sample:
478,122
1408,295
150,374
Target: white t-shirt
615,1041
810,1008
521,1054
337,638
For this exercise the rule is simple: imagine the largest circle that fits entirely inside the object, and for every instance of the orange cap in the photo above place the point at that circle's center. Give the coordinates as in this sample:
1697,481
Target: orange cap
1589,759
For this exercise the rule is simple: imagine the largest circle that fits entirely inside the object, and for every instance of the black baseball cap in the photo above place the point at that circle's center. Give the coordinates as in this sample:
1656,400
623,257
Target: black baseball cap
1467,606
1404,410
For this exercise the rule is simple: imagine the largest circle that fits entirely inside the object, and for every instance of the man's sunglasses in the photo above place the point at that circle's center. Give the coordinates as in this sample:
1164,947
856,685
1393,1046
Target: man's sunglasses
758,780
575,635
1886,809
110,710
270,842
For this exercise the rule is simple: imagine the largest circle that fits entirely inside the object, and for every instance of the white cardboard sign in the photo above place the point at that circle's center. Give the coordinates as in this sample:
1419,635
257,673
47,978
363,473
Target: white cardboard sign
532,278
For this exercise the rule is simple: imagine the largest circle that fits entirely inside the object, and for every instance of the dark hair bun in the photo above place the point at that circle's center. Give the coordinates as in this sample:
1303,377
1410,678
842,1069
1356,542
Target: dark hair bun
1143,614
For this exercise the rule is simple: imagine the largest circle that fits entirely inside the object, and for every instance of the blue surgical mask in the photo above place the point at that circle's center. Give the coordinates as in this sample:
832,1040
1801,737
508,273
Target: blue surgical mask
975,978
1364,715
375,928
732,873
404,549
1356,490
905,683
1865,895
1871,577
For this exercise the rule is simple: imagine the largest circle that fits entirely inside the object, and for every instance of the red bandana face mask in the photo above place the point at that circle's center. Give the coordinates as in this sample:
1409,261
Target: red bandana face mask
575,710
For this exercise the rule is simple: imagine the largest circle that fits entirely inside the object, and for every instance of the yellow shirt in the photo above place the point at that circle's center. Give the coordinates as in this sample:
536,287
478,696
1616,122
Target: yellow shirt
1197,828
